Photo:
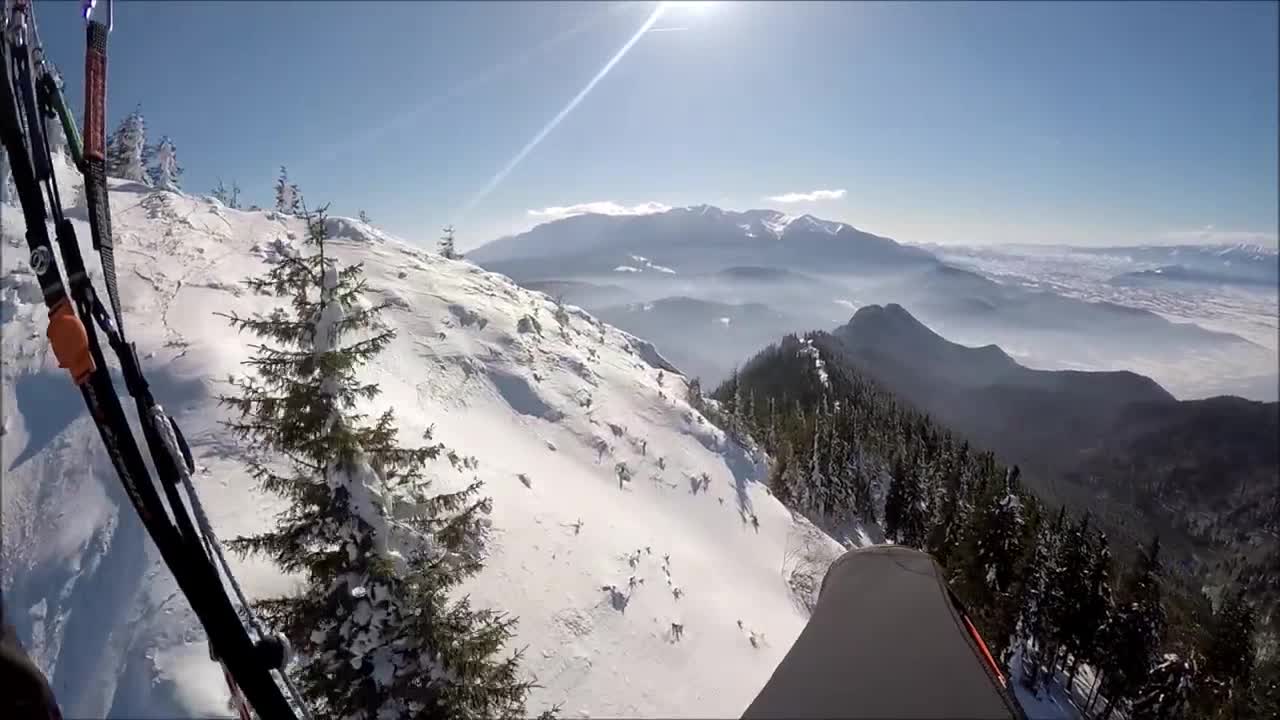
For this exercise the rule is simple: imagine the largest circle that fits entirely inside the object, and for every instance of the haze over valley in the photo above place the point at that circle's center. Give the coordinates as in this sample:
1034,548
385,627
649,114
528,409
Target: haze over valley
706,284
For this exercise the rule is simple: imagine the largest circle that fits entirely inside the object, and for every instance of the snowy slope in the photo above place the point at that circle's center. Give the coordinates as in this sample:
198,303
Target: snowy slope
83,584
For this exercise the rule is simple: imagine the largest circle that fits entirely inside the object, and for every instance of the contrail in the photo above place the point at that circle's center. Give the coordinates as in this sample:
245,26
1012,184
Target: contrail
546,130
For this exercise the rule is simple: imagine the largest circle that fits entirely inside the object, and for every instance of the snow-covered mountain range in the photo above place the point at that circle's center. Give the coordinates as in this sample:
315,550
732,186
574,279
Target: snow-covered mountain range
691,240
662,274
597,570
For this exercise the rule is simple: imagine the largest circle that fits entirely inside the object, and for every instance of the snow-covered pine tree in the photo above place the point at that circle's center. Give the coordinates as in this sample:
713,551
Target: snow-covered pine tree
364,217
1034,630
862,476
903,510
947,521
221,193
780,473
1005,524
693,394
1167,691
1094,607
895,500
377,634
127,148
914,516
165,173
986,567
446,245
771,428
235,196
1266,686
1228,659
1138,631
1066,587
840,499
816,489
738,412
288,200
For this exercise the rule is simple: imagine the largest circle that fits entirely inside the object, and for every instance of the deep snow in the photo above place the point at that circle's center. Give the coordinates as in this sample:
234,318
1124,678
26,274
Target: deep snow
597,573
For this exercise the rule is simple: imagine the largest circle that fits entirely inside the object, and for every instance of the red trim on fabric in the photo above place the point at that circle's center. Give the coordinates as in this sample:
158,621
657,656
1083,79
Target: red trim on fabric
95,92
985,652
237,699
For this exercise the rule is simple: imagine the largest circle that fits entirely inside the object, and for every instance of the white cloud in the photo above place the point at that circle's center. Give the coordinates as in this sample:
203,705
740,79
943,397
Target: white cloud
600,207
816,195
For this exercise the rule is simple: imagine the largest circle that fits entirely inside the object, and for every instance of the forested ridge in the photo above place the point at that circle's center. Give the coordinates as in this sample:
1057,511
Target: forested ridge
1038,581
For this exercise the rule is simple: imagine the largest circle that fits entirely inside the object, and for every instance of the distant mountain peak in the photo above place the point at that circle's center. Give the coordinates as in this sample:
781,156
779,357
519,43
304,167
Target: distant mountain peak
891,331
889,315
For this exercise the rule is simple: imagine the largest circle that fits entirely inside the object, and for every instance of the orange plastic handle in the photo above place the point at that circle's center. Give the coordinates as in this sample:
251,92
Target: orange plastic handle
70,342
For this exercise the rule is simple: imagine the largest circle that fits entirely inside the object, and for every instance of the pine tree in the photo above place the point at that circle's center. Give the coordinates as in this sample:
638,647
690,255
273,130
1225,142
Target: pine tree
288,199
1166,694
904,515
228,196
816,487
1066,587
1138,631
127,148
1228,659
1005,527
778,474
1266,688
446,245
915,521
1093,608
165,173
221,193
364,217
895,500
693,394
841,495
377,632
948,517
986,567
738,412
771,429
1040,603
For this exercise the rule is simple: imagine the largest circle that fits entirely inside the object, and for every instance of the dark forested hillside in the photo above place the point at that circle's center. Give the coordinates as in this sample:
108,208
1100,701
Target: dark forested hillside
1205,474
1037,578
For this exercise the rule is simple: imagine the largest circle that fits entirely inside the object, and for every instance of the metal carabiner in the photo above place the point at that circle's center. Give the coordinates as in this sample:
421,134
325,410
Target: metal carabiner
87,6
16,23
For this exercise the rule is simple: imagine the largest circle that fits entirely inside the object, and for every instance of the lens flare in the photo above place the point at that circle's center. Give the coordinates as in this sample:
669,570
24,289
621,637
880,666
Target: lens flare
560,116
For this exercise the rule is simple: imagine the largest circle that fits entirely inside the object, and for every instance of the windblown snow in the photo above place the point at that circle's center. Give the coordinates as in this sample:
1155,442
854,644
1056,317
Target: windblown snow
635,598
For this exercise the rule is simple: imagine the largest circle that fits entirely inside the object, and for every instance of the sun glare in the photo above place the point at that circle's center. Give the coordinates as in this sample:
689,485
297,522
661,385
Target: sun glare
691,5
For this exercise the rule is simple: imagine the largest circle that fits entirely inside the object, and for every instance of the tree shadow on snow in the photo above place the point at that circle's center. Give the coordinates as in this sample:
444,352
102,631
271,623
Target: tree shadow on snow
740,464
744,471
48,403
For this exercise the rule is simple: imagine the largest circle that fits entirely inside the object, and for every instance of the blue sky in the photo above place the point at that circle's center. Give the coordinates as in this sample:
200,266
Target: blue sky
1088,123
